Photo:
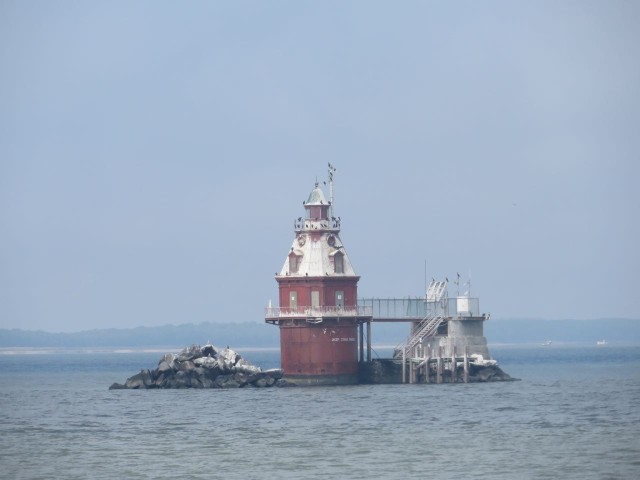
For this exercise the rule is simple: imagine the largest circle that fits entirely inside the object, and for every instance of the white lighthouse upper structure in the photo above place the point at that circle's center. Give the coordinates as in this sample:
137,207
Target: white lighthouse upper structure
317,249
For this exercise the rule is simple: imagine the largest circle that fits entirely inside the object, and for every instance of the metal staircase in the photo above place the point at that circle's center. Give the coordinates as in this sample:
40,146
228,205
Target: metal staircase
426,328
436,297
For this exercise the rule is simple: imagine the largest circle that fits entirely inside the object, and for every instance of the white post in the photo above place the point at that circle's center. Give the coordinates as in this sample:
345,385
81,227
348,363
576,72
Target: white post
453,365
411,355
466,364
404,364
425,360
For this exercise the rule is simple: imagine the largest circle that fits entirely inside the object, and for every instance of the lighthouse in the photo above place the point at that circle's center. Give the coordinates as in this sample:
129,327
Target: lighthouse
318,315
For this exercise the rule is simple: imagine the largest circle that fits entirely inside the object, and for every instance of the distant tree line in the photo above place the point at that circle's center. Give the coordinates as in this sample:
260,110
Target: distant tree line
261,335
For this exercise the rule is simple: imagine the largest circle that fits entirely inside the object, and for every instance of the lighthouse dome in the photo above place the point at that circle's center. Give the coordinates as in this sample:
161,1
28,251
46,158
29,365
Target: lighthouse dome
316,197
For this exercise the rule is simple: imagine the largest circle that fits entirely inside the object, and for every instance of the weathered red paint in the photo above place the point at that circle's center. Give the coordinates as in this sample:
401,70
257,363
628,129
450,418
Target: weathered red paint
323,353
327,288
326,349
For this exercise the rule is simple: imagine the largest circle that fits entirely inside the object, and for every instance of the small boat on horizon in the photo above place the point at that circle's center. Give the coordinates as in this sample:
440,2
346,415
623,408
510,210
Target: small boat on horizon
601,342
544,344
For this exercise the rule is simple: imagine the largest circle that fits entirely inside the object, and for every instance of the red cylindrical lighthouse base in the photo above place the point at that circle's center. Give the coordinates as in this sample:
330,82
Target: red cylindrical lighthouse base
324,353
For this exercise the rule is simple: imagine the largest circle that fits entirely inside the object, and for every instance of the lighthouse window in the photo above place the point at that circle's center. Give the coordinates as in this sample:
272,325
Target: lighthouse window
340,299
294,263
338,263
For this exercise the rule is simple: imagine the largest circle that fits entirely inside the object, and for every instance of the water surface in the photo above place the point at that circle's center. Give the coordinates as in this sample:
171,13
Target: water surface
574,414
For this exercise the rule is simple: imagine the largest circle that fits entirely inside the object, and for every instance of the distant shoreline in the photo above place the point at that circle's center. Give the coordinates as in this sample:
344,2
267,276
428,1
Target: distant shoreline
15,351
258,335
111,351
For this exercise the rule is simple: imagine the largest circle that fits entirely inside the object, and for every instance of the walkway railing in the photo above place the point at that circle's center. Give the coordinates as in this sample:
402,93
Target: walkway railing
411,309
418,308
317,312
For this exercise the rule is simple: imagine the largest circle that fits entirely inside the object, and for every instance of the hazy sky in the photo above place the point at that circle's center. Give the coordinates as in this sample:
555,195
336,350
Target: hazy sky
153,155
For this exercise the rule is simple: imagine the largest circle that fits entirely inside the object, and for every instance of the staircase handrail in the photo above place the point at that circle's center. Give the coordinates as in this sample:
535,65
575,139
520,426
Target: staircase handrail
425,328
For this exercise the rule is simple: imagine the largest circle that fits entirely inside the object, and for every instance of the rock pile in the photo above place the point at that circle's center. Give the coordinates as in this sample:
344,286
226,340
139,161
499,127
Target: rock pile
488,373
204,367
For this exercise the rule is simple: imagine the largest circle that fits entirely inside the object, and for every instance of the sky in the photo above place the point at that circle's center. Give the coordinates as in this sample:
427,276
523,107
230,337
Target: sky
154,154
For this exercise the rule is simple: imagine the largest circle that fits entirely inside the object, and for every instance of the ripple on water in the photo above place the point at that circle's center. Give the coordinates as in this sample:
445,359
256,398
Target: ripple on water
527,429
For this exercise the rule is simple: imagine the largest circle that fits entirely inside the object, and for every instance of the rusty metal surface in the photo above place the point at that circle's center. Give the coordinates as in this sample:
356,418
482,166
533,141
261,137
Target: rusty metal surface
325,349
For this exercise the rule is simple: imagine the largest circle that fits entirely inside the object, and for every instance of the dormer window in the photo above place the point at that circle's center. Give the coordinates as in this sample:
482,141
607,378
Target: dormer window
338,263
294,263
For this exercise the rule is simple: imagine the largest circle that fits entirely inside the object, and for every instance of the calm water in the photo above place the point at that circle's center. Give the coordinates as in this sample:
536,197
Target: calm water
575,414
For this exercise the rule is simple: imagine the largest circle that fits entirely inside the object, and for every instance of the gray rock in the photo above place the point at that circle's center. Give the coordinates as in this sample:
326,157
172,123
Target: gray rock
281,382
202,367
491,373
246,368
189,353
141,380
163,367
159,379
186,365
168,358
484,374
274,375
165,381
180,380
212,373
274,372
209,350
208,383
241,378
229,356
264,382
225,366
226,381
208,362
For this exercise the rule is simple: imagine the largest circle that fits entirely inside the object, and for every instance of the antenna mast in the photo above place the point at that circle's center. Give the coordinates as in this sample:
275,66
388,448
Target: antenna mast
332,169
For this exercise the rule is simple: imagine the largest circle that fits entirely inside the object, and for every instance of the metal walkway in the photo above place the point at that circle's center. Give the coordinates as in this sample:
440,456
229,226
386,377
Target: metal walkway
427,313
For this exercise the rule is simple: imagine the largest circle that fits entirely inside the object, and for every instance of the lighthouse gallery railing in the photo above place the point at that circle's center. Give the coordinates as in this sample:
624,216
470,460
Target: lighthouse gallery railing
312,312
